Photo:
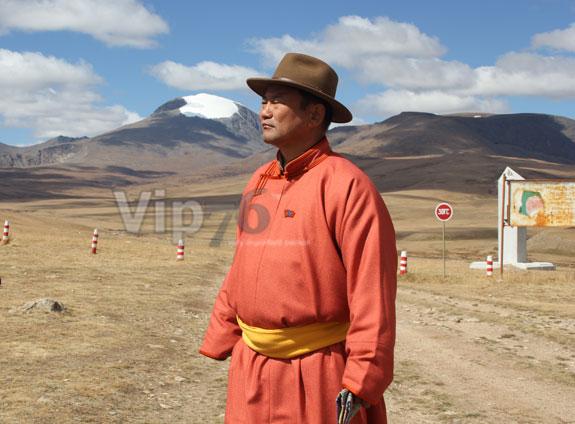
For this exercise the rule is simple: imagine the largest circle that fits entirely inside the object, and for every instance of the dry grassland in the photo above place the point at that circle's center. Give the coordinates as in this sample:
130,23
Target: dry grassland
469,350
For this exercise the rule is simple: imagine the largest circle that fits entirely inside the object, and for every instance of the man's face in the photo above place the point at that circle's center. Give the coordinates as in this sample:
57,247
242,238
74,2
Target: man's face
281,116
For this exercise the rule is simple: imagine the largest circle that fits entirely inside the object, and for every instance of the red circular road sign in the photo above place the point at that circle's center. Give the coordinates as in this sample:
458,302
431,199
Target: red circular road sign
443,211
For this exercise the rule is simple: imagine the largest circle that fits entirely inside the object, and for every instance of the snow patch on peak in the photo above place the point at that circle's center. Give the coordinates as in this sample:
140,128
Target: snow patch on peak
208,106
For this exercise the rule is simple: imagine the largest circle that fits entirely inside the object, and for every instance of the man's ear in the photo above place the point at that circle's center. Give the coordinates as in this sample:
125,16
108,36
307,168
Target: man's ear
316,113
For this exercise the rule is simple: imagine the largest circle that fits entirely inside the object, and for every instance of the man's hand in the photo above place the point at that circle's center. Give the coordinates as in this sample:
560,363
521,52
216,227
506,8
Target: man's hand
347,406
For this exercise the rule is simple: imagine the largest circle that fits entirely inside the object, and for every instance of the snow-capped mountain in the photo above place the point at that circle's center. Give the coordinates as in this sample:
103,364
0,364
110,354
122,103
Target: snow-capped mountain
208,106
241,122
185,133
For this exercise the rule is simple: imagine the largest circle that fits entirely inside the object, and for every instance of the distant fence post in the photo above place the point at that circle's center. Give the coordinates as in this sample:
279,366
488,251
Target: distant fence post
403,263
180,251
95,241
6,233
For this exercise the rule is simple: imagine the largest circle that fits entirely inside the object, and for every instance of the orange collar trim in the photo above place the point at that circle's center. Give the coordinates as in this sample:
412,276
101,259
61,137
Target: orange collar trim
303,163
307,160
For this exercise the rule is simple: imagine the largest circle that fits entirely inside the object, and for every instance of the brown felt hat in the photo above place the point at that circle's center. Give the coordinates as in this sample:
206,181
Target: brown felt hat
308,74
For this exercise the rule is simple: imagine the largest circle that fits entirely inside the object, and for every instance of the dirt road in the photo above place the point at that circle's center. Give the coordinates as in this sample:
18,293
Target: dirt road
471,361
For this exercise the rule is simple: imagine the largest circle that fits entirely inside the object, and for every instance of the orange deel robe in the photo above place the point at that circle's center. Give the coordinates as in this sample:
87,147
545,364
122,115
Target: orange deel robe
317,245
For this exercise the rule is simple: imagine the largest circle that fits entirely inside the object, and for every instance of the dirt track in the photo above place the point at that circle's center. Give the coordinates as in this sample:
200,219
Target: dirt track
472,361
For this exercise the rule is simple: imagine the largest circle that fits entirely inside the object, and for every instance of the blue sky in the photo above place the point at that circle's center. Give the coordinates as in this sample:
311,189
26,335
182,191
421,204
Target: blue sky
83,67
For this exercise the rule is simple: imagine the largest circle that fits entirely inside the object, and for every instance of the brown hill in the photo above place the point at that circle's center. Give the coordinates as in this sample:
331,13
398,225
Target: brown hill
418,134
55,151
459,153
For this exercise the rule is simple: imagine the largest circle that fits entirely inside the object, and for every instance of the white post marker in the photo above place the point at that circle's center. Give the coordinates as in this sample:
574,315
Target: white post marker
95,241
6,233
180,252
489,266
443,212
403,263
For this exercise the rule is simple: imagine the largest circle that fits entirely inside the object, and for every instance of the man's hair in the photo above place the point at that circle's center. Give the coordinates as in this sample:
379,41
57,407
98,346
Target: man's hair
308,99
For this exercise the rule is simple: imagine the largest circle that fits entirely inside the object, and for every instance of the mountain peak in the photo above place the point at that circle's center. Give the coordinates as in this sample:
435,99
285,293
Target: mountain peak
208,106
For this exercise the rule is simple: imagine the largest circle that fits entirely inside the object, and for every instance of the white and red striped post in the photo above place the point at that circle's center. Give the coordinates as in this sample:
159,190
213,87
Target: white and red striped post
489,265
95,241
403,263
6,233
180,251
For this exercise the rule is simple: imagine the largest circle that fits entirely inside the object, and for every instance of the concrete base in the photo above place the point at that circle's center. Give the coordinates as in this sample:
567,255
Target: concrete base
536,266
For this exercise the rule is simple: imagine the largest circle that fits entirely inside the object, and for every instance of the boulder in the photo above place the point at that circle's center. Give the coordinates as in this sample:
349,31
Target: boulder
44,305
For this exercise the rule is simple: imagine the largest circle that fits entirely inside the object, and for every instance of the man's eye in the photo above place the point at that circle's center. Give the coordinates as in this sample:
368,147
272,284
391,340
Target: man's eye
272,101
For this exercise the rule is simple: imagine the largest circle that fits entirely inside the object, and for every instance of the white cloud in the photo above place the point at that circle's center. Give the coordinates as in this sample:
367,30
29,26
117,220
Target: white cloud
447,87
32,71
408,64
527,74
560,39
115,22
353,40
378,51
54,97
203,76
416,73
391,102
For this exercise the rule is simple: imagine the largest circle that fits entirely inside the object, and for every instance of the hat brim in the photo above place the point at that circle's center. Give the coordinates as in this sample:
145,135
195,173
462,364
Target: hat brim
340,113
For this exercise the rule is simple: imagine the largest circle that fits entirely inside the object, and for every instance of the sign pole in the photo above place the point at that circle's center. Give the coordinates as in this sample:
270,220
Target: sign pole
443,212
443,249
502,225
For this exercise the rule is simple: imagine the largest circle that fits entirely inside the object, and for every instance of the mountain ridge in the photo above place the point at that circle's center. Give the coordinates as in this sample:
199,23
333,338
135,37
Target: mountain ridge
541,136
168,133
408,150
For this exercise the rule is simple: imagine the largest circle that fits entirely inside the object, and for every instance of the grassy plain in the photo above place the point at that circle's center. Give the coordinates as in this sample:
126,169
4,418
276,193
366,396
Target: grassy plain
469,348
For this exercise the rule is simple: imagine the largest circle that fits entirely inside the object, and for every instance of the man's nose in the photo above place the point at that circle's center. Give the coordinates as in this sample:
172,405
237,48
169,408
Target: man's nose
265,110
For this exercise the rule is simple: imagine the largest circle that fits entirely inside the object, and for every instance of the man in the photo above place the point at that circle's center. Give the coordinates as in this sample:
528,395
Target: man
308,306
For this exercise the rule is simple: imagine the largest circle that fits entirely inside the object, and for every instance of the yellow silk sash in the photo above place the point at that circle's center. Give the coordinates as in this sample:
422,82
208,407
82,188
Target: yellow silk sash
290,342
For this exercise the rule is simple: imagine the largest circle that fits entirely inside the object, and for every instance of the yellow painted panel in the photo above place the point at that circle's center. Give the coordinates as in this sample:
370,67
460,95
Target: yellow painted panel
542,203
